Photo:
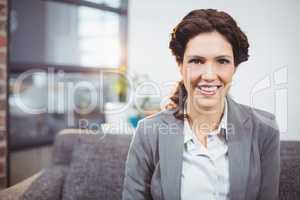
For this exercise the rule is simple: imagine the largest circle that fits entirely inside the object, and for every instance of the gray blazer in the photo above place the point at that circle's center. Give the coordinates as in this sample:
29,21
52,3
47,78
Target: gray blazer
153,167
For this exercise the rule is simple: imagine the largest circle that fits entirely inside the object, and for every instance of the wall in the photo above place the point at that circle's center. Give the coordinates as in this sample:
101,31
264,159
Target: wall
3,56
267,81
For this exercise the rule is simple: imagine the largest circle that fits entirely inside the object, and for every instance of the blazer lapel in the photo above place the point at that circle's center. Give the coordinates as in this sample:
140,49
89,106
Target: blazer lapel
239,131
170,151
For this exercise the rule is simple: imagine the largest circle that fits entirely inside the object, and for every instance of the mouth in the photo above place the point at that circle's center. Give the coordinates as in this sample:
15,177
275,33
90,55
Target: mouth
208,90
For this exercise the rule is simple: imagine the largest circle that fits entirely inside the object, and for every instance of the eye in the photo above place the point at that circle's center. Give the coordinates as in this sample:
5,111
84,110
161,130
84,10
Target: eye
223,61
196,61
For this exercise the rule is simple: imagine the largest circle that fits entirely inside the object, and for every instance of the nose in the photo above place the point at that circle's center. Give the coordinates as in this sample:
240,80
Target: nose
209,73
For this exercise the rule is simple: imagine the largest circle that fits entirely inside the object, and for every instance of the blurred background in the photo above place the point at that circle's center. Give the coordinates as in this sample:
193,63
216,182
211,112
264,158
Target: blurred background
89,63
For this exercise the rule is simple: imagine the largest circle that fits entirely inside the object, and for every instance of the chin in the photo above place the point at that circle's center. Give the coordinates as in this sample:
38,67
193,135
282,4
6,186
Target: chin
203,102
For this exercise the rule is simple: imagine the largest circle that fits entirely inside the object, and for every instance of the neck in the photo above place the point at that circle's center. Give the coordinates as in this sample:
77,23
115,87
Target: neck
205,119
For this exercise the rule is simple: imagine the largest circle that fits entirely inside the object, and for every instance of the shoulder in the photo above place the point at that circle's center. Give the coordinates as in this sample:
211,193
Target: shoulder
146,136
159,116
264,124
158,119
255,113
160,123
259,117
149,127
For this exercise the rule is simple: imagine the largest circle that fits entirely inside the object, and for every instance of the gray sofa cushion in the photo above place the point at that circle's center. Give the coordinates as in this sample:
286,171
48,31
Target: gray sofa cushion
97,171
67,140
48,185
290,170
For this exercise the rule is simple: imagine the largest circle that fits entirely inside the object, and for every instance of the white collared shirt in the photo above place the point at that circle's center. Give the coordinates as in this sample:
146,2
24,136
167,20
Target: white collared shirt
205,171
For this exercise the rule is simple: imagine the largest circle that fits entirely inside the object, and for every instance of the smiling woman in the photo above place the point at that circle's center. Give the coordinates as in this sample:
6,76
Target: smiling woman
206,40
207,70
205,145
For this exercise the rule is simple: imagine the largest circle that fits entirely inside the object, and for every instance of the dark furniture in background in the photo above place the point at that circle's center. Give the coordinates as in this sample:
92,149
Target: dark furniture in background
91,166
40,129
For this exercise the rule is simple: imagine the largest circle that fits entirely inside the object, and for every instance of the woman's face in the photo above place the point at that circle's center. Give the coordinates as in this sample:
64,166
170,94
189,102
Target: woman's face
207,69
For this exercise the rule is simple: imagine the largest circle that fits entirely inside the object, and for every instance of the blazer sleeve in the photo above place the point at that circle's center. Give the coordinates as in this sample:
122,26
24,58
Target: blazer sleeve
138,171
270,164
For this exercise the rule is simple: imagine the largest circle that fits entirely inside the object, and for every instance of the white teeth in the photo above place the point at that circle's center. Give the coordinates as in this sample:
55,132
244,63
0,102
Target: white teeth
208,88
213,88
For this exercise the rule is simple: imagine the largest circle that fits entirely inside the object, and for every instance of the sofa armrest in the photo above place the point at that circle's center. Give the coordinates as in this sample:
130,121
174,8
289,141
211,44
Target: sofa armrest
47,185
16,191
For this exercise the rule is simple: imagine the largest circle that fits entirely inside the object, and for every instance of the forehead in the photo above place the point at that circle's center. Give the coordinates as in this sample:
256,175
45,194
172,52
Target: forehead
208,45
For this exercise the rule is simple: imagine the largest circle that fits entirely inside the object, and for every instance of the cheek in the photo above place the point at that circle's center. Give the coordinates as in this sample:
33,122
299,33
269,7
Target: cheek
227,74
189,82
189,75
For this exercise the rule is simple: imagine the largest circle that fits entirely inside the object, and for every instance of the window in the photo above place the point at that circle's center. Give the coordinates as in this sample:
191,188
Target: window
56,46
98,34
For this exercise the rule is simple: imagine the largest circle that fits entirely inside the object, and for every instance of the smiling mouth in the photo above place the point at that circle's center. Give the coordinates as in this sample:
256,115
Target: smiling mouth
208,90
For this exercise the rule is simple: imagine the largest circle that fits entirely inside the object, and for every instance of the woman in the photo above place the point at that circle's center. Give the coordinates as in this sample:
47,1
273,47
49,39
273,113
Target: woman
205,145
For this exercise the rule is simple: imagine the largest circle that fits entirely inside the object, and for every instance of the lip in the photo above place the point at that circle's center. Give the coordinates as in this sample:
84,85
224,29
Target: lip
208,89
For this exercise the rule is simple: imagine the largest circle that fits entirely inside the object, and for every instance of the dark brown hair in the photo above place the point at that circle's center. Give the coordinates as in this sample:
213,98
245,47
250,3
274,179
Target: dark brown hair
203,21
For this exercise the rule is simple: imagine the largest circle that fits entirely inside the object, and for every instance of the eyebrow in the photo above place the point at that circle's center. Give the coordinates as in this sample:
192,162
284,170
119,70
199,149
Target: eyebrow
201,57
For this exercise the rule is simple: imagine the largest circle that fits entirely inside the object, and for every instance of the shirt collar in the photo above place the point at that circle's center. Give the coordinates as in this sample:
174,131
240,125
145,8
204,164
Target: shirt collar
222,128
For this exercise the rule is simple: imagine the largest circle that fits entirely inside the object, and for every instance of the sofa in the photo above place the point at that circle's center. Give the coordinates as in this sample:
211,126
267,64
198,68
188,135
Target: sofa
91,166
